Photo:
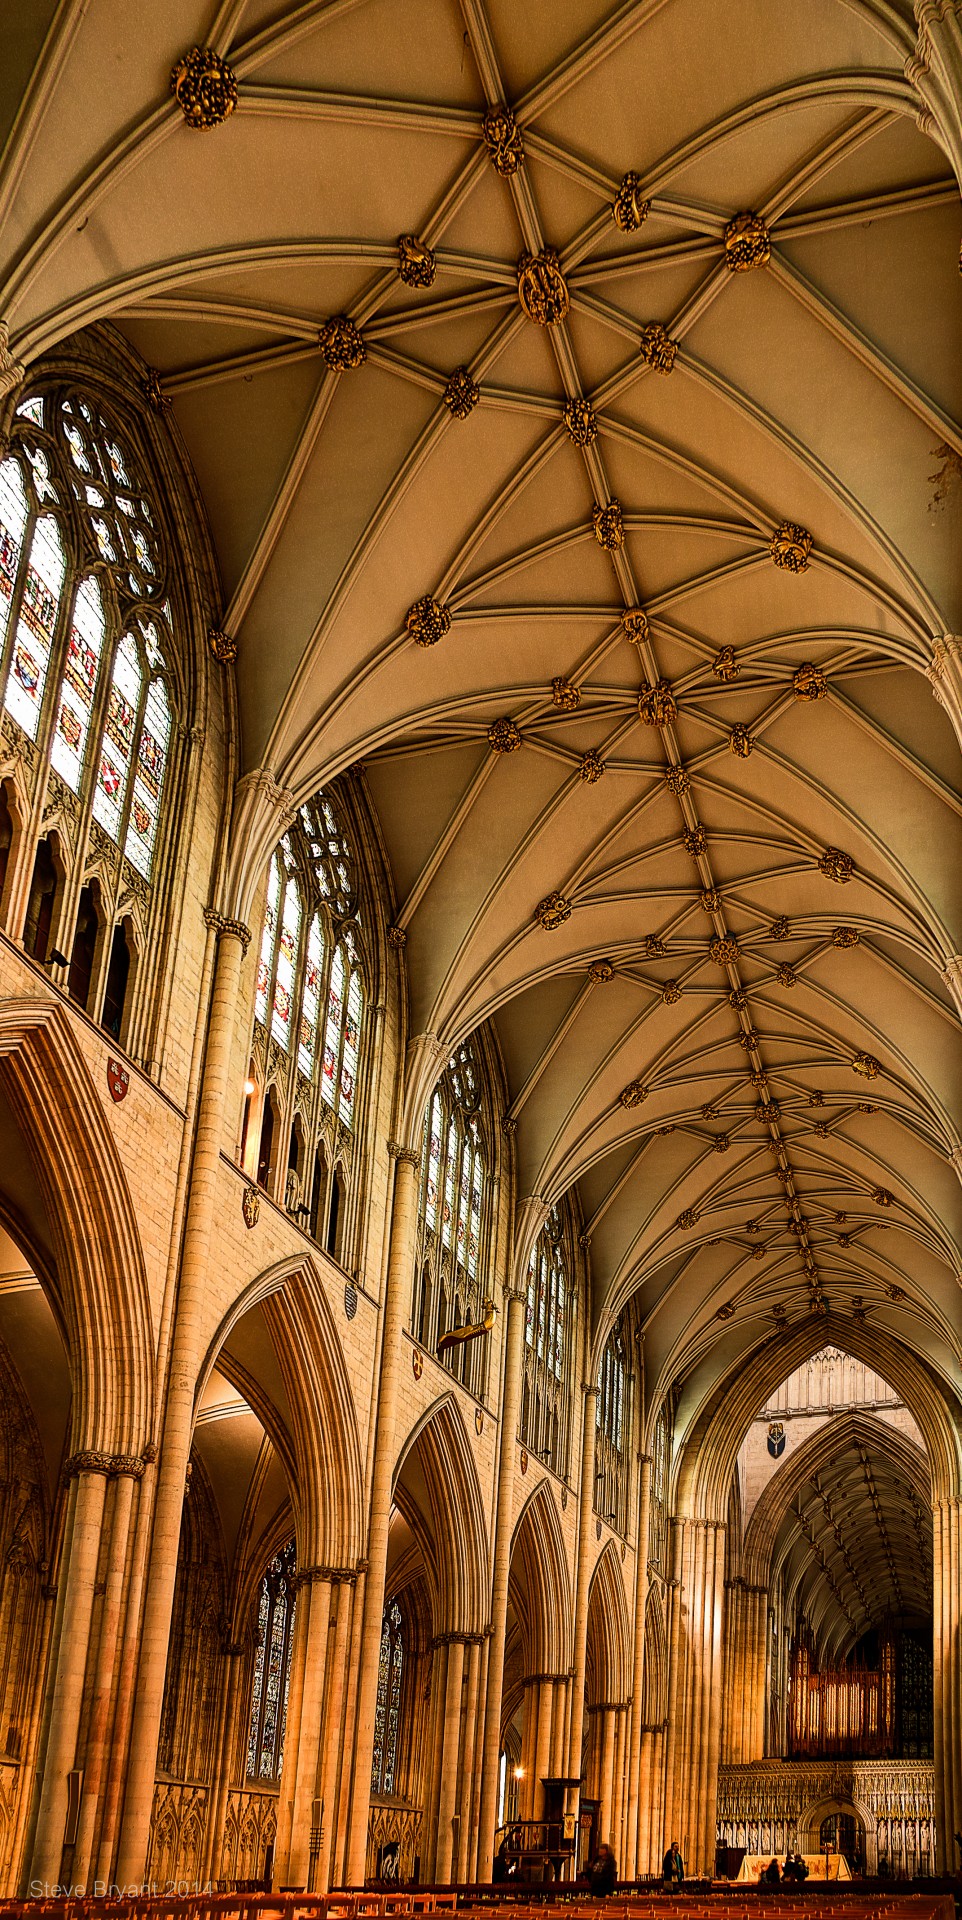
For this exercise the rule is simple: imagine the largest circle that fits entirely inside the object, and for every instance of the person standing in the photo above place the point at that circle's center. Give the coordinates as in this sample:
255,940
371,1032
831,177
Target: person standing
603,1871
673,1867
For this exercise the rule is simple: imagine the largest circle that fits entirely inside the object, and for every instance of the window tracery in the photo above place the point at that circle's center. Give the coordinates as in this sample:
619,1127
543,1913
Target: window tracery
88,665
387,1713
308,1018
270,1681
613,1431
450,1282
549,1312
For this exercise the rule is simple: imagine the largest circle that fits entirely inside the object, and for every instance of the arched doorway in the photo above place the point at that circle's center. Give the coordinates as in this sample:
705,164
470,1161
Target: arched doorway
843,1833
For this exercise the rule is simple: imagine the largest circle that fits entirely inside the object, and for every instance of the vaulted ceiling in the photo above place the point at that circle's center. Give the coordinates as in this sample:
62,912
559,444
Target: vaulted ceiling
758,1093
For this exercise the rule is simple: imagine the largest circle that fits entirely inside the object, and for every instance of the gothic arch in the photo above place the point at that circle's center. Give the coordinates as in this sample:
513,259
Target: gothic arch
321,1449
707,1457
437,1490
608,1663
769,1514
97,1279
655,1697
538,1584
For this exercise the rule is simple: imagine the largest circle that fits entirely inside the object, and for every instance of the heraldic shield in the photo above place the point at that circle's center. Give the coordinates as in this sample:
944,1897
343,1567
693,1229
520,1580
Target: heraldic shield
118,1080
776,1439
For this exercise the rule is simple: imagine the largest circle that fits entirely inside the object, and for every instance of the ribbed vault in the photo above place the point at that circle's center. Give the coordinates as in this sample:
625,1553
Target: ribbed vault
771,880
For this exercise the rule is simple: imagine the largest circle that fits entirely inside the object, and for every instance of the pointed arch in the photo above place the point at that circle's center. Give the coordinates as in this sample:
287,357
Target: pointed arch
320,1447
538,1584
819,1451
436,1488
94,1266
706,1460
654,1707
608,1658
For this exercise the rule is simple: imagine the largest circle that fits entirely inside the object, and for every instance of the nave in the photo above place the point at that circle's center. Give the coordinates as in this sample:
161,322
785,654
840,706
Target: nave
480,941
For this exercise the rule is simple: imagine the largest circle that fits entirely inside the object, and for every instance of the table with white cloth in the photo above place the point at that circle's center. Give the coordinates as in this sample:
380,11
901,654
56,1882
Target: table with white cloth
834,1866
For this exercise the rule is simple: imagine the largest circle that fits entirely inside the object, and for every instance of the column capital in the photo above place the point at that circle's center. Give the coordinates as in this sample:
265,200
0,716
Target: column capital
220,925
335,1576
405,1156
458,1638
111,1465
589,1388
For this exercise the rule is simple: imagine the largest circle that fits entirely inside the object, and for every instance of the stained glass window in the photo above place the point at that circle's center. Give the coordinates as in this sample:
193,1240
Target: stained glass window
387,1713
453,1205
545,1396
309,998
287,952
274,1639
613,1431
85,635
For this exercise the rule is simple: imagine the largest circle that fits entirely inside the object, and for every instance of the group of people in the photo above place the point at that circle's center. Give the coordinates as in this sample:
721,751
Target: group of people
794,1871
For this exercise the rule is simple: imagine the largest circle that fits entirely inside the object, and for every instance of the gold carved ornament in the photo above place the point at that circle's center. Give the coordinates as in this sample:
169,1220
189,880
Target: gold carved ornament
609,526
727,1311
738,999
724,950
722,1143
656,705
552,911
462,393
204,88
694,841
504,736
656,348
222,645
866,1065
542,288
634,623
845,937
748,1040
786,976
341,345
882,1196
710,899
633,1095
809,682
502,137
565,694
654,945
687,1219
678,781
416,263
779,928
740,742
581,423
630,209
592,767
747,243
458,1336
709,1111
836,865
790,546
725,666
251,1206
157,399
671,993
427,621
601,971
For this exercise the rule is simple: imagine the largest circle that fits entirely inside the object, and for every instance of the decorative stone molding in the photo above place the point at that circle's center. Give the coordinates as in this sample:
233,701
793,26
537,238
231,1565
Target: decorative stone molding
406,1154
11,371
220,925
260,785
113,1465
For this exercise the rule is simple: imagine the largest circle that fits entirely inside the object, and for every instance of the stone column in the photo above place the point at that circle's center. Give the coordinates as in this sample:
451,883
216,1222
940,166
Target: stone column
232,1658
469,1727
232,944
396,1304
450,1741
645,1801
585,1529
629,1866
503,1519
96,1745
675,1657
332,1745
79,1573
315,1598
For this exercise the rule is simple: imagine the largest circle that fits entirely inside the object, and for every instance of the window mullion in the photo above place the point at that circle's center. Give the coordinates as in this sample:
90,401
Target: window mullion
17,590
